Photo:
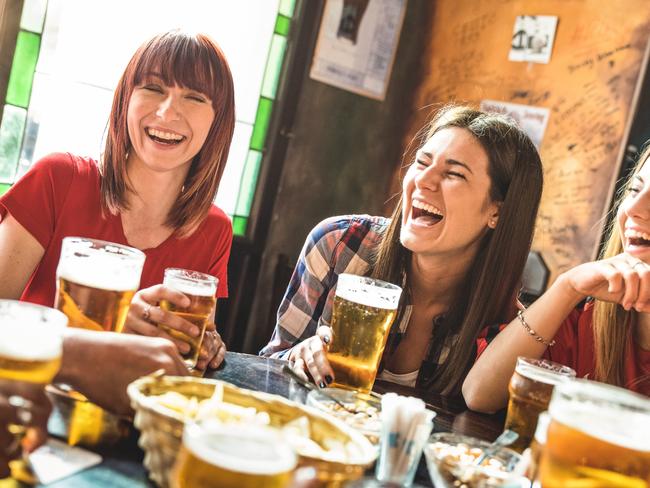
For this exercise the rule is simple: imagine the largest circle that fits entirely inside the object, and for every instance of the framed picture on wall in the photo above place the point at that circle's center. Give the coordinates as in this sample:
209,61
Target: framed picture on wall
356,45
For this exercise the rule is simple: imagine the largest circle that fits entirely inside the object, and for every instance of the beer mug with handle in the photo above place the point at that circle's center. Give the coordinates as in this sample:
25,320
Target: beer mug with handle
201,289
599,435
530,392
96,281
362,314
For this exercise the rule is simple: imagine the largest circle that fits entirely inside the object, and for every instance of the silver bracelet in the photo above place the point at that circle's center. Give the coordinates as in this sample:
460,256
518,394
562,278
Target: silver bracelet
534,334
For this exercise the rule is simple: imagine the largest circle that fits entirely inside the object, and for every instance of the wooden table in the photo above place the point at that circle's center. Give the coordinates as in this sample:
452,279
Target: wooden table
122,464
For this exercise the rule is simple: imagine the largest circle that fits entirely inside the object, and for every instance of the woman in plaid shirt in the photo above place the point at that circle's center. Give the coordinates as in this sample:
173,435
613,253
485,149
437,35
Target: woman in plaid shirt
457,242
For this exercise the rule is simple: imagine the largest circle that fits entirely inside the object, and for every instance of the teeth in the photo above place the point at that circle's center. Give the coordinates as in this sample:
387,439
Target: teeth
427,207
637,234
168,136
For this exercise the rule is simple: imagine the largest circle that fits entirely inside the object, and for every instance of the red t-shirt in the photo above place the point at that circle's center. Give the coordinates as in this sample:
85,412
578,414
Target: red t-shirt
60,196
575,348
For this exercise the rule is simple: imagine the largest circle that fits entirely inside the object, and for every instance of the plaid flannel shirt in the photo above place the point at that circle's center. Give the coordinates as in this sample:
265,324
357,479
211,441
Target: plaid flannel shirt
343,244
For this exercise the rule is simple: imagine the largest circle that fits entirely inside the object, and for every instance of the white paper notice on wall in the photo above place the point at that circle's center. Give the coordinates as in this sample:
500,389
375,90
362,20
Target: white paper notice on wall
356,45
532,38
532,120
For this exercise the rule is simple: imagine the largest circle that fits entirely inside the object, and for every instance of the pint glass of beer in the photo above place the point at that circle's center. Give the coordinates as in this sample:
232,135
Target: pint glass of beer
31,341
362,313
530,391
599,436
233,456
96,281
201,289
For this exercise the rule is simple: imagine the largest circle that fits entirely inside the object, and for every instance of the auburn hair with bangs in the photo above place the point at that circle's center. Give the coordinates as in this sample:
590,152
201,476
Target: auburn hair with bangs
192,61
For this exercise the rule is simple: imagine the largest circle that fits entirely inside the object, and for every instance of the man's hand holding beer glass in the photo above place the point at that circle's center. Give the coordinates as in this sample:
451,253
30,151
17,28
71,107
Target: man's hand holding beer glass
182,310
23,404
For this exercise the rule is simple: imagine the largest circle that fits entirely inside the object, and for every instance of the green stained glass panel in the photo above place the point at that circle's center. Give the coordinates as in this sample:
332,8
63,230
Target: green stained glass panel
22,68
239,225
286,7
261,125
282,25
248,183
3,188
274,66
33,15
11,137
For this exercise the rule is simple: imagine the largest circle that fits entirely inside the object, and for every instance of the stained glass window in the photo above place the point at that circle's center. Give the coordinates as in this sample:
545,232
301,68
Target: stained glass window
70,53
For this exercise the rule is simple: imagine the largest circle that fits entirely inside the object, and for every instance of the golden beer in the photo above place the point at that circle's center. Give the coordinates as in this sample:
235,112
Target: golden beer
31,341
599,436
96,281
201,289
530,391
233,456
362,314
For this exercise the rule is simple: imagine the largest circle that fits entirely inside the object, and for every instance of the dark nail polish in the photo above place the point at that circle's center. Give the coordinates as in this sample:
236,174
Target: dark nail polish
321,384
328,378
326,339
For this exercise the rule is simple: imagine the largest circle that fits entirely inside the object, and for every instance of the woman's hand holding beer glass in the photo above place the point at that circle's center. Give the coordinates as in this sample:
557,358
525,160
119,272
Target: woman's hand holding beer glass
310,356
182,310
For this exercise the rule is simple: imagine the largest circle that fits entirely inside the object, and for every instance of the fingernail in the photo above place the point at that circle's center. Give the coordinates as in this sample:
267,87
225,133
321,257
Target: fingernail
195,331
328,378
326,339
321,384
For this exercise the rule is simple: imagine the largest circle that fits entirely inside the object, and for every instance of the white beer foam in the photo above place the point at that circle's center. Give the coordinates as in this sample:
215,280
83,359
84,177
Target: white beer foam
103,271
242,448
359,289
540,374
25,343
620,426
204,289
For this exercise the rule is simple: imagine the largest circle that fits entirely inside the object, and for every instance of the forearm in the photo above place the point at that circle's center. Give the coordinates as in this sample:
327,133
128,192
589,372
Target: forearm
75,361
486,386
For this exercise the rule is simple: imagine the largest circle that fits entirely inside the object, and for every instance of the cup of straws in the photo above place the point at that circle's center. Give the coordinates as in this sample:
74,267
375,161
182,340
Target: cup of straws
406,425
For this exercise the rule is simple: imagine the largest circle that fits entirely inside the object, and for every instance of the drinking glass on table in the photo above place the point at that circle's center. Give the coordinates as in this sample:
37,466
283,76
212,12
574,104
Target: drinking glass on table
362,314
31,345
96,281
598,436
233,456
530,391
201,289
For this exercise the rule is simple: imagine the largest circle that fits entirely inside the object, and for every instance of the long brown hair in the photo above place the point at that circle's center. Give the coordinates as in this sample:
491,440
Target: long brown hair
486,294
193,61
612,324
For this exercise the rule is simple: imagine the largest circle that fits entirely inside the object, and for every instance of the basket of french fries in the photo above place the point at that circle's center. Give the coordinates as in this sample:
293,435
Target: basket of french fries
163,404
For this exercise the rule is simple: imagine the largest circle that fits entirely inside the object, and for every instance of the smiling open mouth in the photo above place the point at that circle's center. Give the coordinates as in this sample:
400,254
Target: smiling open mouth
425,214
162,137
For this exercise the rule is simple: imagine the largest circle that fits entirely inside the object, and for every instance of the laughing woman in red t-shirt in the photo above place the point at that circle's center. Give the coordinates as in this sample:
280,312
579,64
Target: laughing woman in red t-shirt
606,340
169,132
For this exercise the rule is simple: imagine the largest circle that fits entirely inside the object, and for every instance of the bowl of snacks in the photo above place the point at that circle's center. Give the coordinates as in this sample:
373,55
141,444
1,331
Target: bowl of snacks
361,411
452,463
163,404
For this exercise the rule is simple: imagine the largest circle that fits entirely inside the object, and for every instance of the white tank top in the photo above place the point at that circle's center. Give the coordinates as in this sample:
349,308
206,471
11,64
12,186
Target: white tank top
405,379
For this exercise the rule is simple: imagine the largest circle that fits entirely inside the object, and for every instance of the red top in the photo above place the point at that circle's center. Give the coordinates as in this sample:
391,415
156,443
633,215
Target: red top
60,196
575,348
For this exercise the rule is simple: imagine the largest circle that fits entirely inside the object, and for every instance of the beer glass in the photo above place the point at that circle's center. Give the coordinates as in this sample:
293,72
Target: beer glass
599,436
96,281
233,456
530,391
201,289
362,313
31,341
31,345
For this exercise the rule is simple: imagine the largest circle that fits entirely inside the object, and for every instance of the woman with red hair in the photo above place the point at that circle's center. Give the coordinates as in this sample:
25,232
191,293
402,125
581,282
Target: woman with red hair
169,132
